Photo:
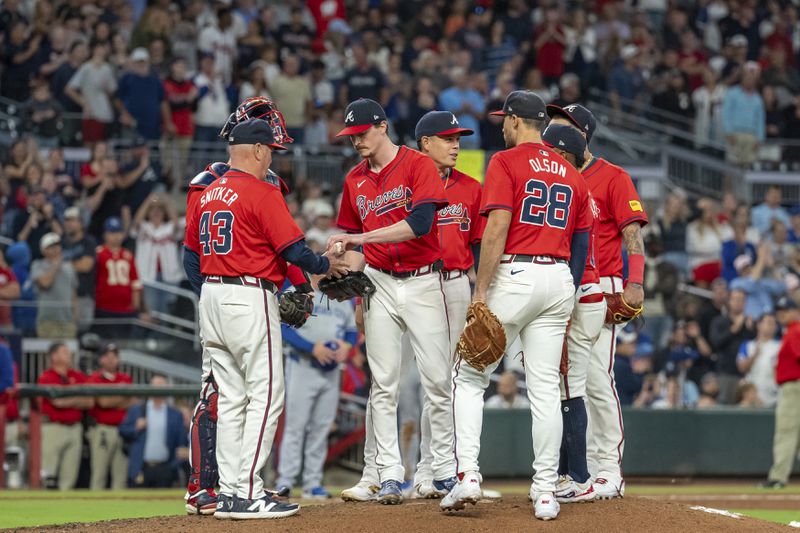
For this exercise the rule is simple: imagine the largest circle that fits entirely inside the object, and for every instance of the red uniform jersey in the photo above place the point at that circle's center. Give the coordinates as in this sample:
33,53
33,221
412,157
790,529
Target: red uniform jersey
547,197
116,280
460,223
243,226
618,205
371,201
788,368
590,272
50,411
107,415
7,277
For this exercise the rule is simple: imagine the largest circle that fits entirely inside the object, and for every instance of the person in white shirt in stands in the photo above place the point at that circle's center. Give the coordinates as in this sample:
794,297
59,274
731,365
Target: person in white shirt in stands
213,106
507,396
704,238
757,359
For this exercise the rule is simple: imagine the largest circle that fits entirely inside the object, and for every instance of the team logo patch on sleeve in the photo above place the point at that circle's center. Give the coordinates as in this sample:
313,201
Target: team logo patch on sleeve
635,205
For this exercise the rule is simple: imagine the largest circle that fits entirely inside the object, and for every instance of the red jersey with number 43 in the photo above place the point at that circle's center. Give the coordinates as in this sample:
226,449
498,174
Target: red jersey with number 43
618,205
371,201
547,197
116,280
460,223
244,225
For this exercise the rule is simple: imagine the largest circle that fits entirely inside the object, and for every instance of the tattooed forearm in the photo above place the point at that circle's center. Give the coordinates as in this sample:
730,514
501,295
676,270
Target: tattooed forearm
632,237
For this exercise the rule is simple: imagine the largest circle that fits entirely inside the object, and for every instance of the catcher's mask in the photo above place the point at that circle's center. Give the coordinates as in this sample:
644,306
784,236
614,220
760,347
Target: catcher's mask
258,107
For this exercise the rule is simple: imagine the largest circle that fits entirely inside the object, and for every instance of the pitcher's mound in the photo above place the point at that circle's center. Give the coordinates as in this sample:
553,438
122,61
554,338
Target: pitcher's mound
507,515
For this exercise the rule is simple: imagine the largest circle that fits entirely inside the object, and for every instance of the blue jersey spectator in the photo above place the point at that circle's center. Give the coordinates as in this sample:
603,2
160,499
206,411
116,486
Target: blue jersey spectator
626,82
24,316
140,94
763,214
467,104
761,292
736,247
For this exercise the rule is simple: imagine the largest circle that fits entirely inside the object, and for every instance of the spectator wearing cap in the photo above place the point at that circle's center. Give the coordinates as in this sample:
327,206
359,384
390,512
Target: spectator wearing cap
726,334
62,432
757,359
737,246
771,209
180,96
786,441
744,118
753,280
632,363
118,291
626,81
56,285
213,106
105,442
36,221
466,103
80,249
92,87
321,228
292,94
139,94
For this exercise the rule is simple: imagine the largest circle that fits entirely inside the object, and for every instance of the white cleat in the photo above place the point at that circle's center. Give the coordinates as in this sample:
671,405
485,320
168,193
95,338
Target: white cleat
569,491
545,507
468,490
425,491
363,491
608,488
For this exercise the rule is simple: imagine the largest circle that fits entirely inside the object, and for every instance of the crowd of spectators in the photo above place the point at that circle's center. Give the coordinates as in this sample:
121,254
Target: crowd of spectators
171,71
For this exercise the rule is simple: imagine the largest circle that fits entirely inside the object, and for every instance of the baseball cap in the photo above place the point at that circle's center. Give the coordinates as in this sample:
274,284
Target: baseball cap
738,40
361,115
109,347
582,118
742,262
564,138
439,123
785,303
323,209
112,225
140,54
254,131
48,240
524,104
628,51
72,212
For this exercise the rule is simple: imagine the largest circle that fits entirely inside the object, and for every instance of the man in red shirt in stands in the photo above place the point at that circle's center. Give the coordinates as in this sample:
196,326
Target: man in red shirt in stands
180,95
787,413
118,292
61,421
9,291
108,413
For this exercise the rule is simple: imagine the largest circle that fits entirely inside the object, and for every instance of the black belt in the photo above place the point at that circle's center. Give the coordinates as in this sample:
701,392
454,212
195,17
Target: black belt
536,259
428,269
447,275
242,281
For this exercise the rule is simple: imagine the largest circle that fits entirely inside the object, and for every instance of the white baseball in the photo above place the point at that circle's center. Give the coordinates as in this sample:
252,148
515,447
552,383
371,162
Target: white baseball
338,248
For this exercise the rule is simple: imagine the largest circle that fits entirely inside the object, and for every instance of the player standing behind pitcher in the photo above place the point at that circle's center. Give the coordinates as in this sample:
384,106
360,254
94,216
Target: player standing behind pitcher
620,218
389,206
588,316
533,254
246,236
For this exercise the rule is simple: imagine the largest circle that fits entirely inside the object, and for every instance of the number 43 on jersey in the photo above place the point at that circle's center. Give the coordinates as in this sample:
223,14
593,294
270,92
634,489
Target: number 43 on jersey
216,232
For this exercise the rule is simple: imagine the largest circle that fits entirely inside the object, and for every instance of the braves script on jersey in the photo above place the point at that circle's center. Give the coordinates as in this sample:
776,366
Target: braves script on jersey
243,226
460,223
618,205
541,190
371,201
116,280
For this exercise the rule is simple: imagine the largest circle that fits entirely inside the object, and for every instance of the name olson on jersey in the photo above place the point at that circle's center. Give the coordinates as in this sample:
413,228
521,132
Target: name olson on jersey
223,194
383,203
455,214
546,165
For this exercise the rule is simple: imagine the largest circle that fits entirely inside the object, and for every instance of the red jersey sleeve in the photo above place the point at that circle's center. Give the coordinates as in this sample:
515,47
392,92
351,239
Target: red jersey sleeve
585,218
478,222
625,201
498,189
278,224
426,184
192,237
349,220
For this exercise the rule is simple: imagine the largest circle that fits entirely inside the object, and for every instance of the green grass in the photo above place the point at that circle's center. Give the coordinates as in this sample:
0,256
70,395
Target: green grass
780,516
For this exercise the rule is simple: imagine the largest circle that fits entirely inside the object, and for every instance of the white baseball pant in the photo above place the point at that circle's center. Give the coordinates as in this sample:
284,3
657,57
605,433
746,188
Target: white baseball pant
242,332
587,322
535,303
605,434
415,305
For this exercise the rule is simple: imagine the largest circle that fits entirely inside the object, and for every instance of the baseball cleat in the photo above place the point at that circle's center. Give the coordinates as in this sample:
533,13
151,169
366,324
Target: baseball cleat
281,493
424,491
264,507
317,493
607,488
468,490
225,503
390,493
574,492
202,503
545,506
771,484
363,491
442,487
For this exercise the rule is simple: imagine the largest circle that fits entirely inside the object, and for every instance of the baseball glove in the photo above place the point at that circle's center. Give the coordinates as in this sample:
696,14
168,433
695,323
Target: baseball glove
618,311
351,285
295,308
483,340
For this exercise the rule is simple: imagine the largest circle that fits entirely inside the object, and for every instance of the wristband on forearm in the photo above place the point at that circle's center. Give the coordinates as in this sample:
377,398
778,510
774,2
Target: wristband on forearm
636,268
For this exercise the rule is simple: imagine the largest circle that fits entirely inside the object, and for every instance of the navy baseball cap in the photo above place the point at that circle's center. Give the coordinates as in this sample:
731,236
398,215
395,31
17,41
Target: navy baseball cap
254,131
565,138
785,303
582,118
361,115
113,225
524,104
439,123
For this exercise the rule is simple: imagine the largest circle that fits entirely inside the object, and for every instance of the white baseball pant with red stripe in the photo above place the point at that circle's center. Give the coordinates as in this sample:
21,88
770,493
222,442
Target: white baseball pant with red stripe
605,435
242,331
588,318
